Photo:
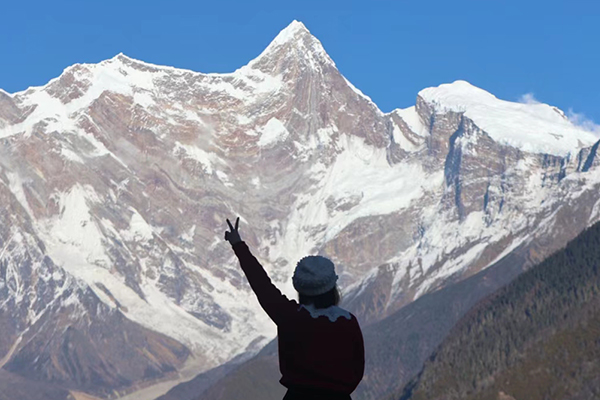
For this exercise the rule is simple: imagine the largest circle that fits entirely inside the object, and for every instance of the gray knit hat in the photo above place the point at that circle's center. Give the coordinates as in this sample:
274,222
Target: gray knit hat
314,275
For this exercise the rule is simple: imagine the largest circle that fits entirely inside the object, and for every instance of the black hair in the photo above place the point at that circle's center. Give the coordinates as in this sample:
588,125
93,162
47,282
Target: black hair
327,299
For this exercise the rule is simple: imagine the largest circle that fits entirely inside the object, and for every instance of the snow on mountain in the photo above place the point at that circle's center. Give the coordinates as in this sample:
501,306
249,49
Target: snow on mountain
297,42
534,128
274,131
122,174
413,124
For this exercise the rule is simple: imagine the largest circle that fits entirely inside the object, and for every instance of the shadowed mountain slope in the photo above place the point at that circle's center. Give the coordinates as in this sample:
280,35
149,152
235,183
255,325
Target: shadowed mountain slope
16,387
537,338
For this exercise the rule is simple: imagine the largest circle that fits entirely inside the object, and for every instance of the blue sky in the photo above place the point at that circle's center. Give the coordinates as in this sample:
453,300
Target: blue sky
388,49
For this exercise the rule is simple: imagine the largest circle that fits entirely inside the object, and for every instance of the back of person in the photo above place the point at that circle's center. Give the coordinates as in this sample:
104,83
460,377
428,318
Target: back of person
319,352
321,349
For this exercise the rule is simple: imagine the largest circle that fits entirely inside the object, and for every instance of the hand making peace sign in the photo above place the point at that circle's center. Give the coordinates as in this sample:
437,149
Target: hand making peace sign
233,236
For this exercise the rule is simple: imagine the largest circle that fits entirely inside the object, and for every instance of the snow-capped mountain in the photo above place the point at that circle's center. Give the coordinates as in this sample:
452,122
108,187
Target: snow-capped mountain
117,177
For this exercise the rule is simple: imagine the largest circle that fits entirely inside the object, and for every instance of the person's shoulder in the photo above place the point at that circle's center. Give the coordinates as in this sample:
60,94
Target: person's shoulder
342,312
353,319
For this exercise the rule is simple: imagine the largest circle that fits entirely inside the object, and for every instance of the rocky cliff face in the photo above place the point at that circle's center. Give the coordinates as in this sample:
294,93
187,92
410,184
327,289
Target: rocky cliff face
116,179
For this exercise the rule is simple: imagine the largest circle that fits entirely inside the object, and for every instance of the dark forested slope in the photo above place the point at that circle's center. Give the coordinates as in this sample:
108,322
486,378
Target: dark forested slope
536,338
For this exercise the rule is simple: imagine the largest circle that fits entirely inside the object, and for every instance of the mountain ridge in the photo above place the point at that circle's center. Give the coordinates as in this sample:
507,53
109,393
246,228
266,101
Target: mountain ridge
126,190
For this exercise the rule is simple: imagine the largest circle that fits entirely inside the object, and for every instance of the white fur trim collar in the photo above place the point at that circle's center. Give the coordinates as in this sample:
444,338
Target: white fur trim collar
332,312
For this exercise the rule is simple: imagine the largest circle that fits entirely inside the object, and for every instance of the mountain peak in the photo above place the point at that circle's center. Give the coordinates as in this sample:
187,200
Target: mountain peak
122,57
536,128
291,33
297,42
456,92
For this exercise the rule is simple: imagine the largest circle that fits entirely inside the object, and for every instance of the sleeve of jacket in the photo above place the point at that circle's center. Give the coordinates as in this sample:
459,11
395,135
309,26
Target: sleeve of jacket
276,305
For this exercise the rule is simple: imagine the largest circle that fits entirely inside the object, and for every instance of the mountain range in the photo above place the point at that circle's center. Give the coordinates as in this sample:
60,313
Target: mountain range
116,179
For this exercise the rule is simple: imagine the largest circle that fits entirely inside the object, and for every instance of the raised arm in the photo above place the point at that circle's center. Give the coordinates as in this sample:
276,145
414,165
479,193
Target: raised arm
276,305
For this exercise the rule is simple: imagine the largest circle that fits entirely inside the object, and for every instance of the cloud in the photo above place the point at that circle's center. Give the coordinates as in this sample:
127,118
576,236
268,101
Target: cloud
528,98
580,120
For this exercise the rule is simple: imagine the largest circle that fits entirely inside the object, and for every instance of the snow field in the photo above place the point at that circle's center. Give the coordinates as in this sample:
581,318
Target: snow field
534,128
74,241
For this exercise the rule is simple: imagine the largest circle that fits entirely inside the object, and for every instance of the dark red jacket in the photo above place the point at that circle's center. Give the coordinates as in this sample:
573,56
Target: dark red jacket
313,352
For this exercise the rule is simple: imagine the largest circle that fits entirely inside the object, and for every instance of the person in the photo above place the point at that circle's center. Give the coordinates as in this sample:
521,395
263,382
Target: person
321,349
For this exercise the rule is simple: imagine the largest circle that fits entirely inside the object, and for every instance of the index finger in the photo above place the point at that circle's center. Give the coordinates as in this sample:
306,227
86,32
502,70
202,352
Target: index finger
230,226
